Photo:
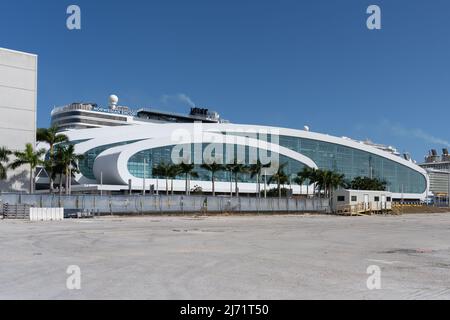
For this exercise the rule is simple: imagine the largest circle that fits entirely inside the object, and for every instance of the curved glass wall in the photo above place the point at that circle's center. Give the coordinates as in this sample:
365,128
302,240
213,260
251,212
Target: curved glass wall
346,160
86,165
353,162
155,156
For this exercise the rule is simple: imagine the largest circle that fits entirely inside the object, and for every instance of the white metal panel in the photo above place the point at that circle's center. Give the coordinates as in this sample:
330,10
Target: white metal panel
18,59
17,78
17,99
17,119
46,214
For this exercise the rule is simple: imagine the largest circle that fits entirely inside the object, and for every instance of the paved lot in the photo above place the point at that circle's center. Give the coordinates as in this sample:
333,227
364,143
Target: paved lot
266,257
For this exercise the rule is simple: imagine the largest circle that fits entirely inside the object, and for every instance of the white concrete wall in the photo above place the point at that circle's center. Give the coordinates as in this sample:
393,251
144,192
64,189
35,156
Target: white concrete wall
46,214
18,94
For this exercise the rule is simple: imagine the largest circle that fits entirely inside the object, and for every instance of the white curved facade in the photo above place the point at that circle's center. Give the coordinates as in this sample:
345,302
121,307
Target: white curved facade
119,154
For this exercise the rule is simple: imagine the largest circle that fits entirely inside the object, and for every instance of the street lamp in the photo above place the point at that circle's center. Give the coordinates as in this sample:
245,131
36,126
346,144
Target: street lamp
143,177
448,185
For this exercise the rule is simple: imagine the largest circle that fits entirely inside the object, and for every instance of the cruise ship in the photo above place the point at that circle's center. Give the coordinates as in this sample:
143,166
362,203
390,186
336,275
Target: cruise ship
79,115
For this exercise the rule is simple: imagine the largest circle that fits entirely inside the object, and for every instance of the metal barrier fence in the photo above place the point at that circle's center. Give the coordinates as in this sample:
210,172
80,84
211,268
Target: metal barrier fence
14,211
167,204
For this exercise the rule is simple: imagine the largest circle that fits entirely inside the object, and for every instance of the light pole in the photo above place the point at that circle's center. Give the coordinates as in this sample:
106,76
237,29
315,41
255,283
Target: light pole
231,184
403,201
69,186
448,186
265,183
143,178
101,183
157,185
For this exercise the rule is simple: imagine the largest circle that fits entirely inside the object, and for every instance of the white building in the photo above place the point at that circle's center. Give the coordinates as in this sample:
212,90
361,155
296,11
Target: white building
361,200
18,93
116,154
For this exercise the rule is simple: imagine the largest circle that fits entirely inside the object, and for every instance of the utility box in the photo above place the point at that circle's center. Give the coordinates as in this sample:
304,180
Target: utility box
361,201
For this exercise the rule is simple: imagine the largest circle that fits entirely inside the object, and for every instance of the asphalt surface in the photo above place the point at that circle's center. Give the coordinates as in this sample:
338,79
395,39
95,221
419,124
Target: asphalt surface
234,257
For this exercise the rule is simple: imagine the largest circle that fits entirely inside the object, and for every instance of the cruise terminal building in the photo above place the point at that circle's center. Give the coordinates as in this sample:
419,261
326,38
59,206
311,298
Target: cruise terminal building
120,146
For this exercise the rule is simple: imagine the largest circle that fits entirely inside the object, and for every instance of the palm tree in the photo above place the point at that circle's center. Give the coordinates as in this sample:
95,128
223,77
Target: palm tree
174,171
213,168
279,177
316,178
163,170
332,180
52,137
188,170
325,180
58,168
236,169
366,183
337,180
67,161
4,159
28,157
300,180
255,171
304,176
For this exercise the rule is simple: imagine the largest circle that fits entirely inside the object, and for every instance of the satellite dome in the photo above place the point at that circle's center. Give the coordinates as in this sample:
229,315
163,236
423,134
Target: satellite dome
113,99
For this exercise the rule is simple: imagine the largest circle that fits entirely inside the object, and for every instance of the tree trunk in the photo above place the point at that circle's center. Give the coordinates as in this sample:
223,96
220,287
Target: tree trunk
236,185
31,179
258,186
265,185
213,187
167,186
50,173
279,189
70,182
60,183
51,183
231,184
66,185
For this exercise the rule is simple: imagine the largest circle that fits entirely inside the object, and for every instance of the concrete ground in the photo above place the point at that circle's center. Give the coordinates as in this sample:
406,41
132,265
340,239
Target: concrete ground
234,257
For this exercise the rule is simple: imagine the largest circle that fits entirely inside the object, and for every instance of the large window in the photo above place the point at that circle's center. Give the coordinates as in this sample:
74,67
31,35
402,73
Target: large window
353,163
87,114
86,165
155,156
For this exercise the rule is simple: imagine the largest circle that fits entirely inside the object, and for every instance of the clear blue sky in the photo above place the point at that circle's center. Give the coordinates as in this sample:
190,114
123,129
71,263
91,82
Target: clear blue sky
277,62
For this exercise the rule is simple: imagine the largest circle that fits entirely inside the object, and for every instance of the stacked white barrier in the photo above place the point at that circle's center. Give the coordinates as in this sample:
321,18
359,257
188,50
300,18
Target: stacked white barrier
46,214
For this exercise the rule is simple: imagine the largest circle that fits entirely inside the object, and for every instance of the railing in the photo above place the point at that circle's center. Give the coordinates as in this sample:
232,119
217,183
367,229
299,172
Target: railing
70,107
15,211
90,107
363,208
